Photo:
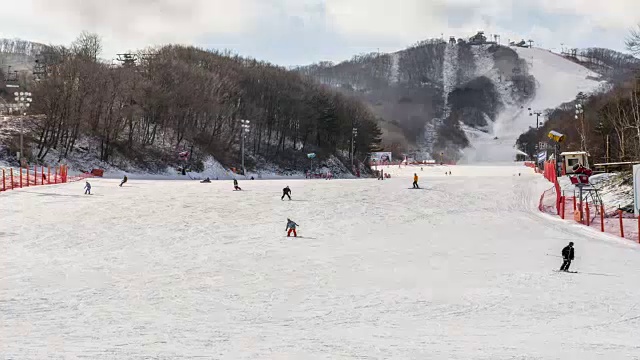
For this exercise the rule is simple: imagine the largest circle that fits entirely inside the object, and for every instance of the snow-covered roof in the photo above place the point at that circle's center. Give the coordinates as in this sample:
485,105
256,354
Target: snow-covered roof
574,153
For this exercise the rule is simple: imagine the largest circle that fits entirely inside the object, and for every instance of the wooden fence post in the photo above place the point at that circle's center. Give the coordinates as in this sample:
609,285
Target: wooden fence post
621,225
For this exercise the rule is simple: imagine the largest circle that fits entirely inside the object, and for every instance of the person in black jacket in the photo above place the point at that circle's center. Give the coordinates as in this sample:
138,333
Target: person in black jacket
286,192
568,255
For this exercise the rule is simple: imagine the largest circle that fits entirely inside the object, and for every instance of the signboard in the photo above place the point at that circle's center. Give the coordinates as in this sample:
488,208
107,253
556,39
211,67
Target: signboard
379,157
542,156
311,155
636,189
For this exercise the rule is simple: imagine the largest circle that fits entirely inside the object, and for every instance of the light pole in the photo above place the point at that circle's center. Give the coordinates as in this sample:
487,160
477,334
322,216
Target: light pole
537,114
245,126
23,101
580,116
354,134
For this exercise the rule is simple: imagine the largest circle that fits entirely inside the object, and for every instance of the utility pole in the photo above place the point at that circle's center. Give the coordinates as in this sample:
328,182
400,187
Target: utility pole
354,134
537,114
580,116
245,126
23,102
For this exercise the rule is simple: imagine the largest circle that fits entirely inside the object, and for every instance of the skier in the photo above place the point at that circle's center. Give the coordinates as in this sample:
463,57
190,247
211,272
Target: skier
87,187
205,181
449,172
291,227
286,192
124,180
415,181
568,255
235,185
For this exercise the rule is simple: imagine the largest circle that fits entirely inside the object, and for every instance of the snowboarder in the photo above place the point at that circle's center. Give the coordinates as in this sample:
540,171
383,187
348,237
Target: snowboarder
235,185
124,180
205,181
87,188
286,192
291,228
415,181
567,255
449,172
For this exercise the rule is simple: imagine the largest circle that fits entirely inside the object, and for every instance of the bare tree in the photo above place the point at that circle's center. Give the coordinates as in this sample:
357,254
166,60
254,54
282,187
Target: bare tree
633,40
87,45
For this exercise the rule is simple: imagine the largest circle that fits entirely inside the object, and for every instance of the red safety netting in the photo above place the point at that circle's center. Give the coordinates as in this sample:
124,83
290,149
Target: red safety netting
17,178
588,212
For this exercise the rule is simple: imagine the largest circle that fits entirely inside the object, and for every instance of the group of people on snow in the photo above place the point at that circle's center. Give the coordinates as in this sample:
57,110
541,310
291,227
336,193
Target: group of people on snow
87,185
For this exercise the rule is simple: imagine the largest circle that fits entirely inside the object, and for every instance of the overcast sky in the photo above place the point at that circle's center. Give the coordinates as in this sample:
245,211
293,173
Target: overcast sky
291,32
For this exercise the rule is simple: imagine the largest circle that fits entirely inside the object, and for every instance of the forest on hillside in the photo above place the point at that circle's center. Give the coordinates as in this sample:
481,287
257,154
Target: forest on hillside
608,127
174,98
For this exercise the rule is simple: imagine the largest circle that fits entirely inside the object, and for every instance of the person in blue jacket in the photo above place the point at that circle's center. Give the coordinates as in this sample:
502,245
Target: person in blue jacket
87,188
291,228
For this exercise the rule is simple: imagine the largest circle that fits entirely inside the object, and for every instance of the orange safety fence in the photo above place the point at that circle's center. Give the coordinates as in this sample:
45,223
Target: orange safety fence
34,175
587,212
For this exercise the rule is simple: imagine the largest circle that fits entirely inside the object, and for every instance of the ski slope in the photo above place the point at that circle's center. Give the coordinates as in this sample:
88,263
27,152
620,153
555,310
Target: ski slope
181,270
558,81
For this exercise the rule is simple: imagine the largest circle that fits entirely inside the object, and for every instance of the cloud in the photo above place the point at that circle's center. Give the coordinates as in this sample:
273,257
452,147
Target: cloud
293,31
133,23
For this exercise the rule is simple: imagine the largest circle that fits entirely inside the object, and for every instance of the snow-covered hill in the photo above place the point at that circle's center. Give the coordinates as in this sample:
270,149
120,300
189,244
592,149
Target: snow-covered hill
468,101
18,55
431,89
558,80
463,269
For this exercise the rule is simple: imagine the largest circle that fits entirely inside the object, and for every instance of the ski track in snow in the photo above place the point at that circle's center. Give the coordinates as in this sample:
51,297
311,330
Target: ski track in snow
558,81
394,77
174,269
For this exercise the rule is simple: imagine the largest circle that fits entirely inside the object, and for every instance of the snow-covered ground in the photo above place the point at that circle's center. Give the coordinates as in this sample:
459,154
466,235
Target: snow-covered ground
558,81
171,269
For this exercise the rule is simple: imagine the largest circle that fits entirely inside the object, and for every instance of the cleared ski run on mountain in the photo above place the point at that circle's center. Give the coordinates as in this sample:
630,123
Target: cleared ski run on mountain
463,269
558,80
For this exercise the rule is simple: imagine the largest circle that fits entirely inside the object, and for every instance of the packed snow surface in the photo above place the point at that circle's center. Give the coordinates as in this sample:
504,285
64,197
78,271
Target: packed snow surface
558,81
463,269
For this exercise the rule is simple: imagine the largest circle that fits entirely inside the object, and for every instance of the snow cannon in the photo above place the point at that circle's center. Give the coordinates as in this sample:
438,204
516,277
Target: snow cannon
556,136
581,174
